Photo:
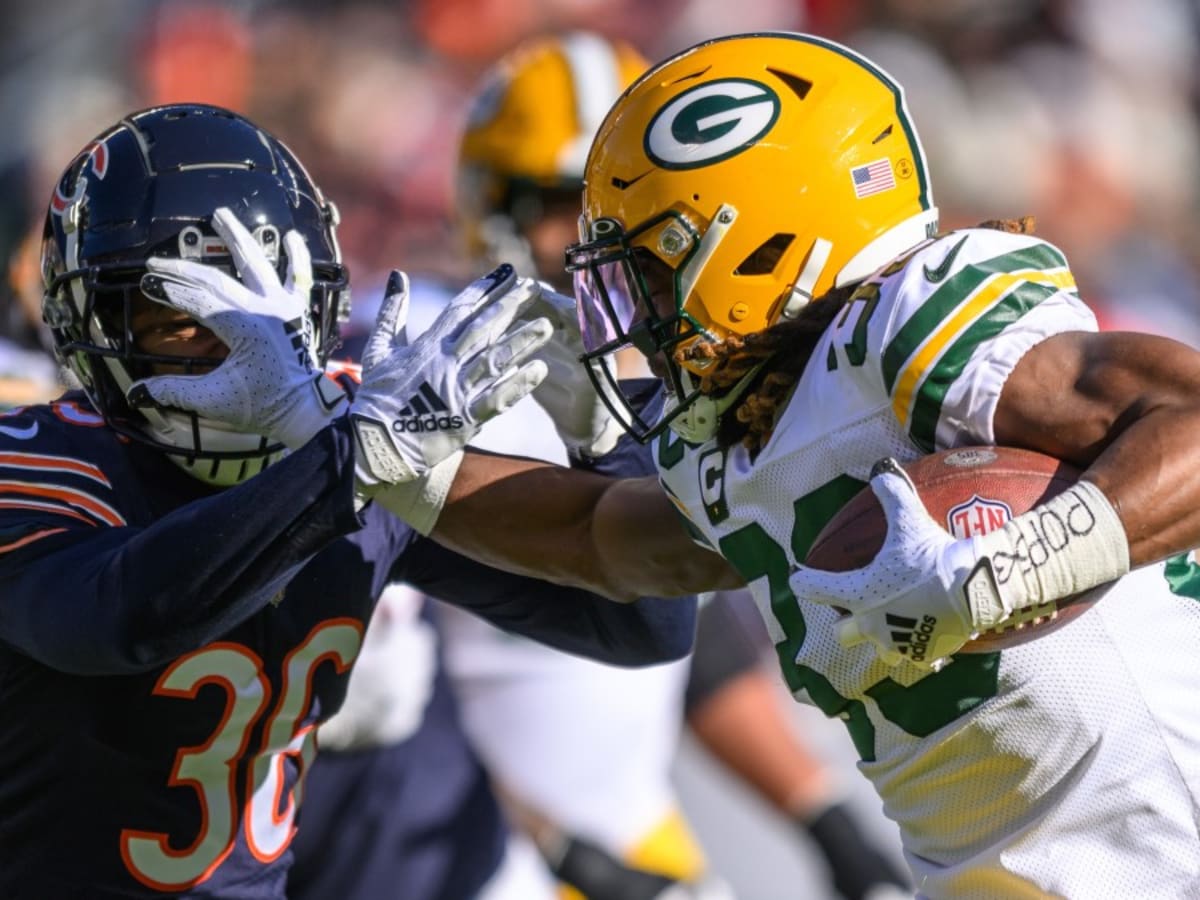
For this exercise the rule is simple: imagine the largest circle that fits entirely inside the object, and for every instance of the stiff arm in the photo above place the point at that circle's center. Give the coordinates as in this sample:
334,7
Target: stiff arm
619,537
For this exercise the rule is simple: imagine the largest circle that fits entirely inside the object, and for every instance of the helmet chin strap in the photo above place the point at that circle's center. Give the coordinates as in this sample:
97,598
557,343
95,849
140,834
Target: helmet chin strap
689,274
699,421
802,291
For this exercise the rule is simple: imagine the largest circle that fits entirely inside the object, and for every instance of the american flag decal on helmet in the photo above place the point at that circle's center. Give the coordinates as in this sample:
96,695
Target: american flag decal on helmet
873,178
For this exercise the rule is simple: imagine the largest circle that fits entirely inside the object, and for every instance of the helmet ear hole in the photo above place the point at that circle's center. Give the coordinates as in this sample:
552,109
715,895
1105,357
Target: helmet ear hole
764,259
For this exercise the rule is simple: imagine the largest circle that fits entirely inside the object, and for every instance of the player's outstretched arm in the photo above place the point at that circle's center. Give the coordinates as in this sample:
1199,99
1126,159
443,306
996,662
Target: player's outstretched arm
619,537
124,598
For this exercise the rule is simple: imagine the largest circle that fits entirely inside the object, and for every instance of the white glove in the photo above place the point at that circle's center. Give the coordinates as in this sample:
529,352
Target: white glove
910,601
583,422
269,383
421,403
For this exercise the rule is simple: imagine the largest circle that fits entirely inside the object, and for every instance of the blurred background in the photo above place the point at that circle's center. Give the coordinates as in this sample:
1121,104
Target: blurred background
1082,113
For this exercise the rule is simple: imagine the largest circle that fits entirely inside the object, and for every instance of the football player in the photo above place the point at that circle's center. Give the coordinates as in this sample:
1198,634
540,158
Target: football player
758,221
183,599
543,720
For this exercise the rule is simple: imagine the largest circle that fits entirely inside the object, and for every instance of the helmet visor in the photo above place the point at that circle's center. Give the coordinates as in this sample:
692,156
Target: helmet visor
605,304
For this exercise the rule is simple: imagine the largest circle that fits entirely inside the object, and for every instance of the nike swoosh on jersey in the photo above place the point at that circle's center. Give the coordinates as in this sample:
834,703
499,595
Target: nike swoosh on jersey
21,434
933,276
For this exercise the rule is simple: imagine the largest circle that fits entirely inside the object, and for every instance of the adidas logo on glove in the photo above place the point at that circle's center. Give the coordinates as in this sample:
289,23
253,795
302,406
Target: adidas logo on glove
425,411
914,642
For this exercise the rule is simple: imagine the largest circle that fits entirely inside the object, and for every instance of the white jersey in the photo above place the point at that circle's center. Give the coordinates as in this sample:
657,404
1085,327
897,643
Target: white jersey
1069,766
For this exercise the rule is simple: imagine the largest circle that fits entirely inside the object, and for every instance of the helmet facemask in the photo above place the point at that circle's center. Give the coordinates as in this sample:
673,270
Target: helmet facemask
629,295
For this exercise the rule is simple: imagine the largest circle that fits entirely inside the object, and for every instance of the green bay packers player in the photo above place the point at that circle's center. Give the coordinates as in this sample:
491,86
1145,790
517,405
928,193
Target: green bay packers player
758,221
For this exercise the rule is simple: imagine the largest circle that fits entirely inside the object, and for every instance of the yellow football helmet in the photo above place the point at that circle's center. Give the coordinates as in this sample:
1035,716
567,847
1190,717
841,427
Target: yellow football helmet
731,185
528,132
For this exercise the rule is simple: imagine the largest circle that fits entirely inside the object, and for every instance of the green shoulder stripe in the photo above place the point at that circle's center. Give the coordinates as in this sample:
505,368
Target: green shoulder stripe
959,287
927,407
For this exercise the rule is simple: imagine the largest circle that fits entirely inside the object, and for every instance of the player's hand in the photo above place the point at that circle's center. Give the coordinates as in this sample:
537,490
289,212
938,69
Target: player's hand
922,597
421,403
581,418
269,383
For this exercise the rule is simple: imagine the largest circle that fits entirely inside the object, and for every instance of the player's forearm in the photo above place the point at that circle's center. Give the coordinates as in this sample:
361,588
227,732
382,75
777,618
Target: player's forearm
616,537
128,599
1152,477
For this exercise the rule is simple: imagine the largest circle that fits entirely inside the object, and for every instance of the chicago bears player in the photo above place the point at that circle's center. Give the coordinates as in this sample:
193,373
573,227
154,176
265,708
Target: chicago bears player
183,599
758,221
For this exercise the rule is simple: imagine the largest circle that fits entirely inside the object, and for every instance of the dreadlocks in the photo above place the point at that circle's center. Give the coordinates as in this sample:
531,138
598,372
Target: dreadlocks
780,354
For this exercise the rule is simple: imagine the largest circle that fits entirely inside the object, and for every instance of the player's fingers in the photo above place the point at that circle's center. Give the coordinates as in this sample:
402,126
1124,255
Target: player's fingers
494,317
558,308
825,588
249,259
848,633
390,322
165,390
896,493
507,391
474,297
507,353
299,271
200,301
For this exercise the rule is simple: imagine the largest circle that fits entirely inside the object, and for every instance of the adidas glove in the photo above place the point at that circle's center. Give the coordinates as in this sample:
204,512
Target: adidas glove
420,403
269,383
581,418
925,593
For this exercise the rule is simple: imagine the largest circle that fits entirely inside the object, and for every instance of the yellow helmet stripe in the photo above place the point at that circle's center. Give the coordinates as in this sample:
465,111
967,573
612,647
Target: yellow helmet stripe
972,309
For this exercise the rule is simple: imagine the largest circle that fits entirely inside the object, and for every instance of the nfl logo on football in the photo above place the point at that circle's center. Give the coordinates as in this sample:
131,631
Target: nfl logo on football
977,516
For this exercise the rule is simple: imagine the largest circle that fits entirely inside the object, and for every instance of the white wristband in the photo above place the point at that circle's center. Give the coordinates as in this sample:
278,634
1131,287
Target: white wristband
419,502
1066,545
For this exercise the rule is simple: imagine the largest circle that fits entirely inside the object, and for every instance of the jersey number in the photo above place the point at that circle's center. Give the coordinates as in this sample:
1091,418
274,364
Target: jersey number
918,709
211,768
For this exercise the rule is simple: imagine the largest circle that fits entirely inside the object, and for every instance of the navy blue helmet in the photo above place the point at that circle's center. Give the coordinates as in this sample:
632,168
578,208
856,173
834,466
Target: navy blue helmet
148,186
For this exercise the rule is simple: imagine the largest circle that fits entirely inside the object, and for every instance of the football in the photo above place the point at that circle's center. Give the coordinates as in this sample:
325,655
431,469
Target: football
969,491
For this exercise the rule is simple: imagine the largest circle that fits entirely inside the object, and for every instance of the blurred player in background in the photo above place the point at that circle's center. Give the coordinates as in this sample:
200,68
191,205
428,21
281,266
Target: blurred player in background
549,725
28,373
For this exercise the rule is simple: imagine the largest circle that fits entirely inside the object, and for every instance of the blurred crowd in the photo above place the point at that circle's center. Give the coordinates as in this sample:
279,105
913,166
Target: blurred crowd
1082,113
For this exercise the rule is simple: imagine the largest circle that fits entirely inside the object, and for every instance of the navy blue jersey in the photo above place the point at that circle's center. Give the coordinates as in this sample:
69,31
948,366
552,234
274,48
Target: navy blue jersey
167,649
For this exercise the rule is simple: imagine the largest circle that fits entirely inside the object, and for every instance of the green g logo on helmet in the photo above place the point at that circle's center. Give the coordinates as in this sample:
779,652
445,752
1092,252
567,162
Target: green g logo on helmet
711,122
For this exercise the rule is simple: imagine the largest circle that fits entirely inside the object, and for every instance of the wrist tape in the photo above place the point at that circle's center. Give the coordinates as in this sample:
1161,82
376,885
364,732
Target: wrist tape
1062,547
419,502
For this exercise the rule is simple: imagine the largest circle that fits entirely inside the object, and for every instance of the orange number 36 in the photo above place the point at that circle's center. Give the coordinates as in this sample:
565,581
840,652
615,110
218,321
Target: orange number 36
211,768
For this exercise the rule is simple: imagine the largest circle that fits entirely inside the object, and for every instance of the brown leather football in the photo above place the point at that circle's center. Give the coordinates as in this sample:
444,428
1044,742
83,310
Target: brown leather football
969,491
